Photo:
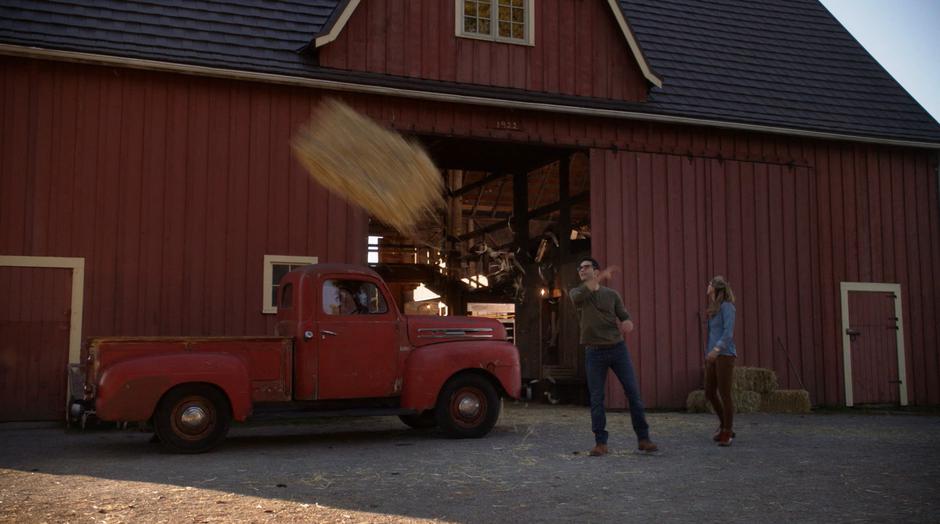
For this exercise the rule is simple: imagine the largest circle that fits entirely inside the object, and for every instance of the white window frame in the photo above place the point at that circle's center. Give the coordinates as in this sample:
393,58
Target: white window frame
529,26
267,306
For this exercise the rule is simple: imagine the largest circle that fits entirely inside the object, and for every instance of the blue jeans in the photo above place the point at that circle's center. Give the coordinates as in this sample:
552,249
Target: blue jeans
597,361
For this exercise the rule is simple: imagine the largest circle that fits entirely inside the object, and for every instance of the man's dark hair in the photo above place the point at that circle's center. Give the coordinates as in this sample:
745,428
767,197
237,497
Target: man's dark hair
593,262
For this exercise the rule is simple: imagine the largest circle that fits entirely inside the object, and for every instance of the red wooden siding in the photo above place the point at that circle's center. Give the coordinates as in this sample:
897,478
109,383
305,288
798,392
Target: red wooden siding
785,236
156,179
416,39
34,342
172,188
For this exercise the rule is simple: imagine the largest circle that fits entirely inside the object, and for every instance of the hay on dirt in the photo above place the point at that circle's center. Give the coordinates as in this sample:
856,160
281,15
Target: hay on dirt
786,401
370,166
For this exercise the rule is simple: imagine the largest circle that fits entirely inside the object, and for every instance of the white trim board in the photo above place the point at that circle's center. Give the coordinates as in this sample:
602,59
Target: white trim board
77,265
337,26
844,289
638,55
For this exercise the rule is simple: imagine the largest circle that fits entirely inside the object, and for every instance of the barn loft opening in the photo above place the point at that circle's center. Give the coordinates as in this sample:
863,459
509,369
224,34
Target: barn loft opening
517,218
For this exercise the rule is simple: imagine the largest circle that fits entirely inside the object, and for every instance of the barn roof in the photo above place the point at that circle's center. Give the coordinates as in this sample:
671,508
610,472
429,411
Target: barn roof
778,65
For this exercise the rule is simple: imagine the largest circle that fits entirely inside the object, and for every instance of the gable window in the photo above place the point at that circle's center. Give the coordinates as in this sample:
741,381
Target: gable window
499,20
275,267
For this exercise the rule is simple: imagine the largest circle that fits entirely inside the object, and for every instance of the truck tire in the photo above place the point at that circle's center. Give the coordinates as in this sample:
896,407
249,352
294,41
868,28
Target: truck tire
467,407
424,420
192,418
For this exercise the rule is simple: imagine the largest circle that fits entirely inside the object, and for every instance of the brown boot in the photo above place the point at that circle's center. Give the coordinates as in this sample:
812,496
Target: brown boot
647,446
598,450
725,438
717,436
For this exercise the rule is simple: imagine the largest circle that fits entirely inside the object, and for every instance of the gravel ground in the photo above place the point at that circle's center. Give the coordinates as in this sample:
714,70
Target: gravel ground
534,467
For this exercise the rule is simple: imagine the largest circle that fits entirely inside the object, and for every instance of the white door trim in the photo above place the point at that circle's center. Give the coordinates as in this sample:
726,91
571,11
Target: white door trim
845,287
77,265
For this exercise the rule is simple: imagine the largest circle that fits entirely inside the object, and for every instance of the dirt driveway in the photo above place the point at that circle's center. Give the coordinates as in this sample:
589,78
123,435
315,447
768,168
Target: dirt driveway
532,468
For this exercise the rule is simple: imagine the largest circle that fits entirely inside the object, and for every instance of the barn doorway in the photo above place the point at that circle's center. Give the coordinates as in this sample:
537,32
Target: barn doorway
506,246
873,344
40,332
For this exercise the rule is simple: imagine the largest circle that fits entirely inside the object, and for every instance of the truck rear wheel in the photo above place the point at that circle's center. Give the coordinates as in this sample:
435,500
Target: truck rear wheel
192,418
468,407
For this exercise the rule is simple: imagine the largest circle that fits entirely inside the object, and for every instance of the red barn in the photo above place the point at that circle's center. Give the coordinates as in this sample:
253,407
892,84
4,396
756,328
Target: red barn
147,185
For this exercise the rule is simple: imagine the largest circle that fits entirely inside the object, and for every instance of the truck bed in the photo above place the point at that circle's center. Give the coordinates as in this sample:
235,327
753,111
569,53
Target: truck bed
268,359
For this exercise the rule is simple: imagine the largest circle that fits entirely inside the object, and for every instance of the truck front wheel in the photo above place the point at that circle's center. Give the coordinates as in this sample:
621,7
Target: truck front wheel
192,418
467,407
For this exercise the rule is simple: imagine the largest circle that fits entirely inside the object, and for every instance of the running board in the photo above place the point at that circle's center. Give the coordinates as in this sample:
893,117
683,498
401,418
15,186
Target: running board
264,415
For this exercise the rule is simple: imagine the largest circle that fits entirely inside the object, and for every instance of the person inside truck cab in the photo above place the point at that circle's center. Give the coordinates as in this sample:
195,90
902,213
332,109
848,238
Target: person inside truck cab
348,305
340,298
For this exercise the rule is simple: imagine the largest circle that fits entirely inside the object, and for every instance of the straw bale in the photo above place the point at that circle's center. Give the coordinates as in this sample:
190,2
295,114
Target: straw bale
760,380
696,402
786,401
744,402
371,166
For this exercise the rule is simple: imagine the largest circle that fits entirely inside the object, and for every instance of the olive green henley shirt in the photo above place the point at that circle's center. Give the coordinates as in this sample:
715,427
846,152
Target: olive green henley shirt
601,313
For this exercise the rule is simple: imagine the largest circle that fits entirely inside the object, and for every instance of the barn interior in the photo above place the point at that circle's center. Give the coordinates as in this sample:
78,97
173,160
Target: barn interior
517,218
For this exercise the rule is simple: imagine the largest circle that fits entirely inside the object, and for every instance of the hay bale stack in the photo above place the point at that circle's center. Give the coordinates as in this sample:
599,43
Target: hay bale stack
786,401
753,390
370,166
744,402
761,380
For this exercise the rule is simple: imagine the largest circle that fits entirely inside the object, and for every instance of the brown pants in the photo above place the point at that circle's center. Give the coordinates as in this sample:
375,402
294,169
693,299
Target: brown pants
718,377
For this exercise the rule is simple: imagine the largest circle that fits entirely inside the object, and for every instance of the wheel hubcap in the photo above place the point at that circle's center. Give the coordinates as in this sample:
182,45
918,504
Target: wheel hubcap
468,406
193,419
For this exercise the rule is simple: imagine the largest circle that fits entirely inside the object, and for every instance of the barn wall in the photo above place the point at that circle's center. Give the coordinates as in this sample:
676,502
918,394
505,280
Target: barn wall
785,236
154,179
172,188
415,39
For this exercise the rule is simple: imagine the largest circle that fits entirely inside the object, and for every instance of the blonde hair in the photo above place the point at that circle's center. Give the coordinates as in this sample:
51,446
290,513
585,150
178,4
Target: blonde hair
723,293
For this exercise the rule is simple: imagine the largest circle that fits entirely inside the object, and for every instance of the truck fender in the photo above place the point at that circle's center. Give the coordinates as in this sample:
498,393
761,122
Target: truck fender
428,368
130,390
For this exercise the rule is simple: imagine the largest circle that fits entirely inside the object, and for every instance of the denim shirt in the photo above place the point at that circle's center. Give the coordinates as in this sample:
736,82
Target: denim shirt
721,330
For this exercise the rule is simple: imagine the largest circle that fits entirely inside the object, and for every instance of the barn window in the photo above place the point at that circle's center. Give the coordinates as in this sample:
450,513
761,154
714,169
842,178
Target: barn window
275,267
499,20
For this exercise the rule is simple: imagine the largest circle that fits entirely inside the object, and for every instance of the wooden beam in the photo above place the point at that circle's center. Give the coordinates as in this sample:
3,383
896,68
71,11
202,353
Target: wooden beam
499,194
549,208
474,185
483,230
564,219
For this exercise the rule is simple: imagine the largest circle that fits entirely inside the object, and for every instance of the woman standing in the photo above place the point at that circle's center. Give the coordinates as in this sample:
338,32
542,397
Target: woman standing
719,356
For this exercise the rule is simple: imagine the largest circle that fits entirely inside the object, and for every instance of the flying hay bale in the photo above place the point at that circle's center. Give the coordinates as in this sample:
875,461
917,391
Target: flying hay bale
369,165
760,380
744,402
786,401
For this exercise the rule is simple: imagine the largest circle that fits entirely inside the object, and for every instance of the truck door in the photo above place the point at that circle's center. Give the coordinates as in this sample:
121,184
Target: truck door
357,340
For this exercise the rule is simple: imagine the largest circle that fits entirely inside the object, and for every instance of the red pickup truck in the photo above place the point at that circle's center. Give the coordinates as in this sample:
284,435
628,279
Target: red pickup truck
341,347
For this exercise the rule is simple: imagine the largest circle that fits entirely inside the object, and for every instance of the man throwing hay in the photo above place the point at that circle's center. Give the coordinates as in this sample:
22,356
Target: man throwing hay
604,322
